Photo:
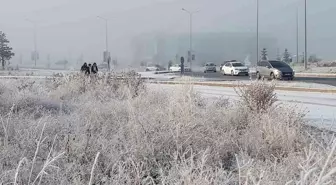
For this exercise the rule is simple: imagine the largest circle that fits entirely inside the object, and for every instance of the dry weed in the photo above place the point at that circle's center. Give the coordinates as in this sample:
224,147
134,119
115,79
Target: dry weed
119,132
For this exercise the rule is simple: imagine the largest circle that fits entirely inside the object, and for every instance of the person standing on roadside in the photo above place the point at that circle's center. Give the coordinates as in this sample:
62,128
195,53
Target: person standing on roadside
94,68
84,67
88,70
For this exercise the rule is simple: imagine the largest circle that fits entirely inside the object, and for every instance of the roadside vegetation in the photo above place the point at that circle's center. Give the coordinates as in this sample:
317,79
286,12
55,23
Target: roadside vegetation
107,130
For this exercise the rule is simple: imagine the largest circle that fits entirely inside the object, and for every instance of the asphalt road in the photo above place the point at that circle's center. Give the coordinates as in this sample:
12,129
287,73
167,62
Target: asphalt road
220,77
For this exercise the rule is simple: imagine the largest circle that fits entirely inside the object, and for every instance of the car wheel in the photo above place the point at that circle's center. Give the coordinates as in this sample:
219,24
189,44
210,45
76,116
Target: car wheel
273,76
147,70
224,73
246,74
232,74
215,71
258,76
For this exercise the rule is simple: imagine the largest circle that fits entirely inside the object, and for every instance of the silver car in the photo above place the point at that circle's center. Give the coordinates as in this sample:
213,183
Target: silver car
273,69
210,67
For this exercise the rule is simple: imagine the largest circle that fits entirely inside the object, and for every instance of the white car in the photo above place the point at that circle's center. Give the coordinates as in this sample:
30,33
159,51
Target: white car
235,68
177,68
210,67
154,67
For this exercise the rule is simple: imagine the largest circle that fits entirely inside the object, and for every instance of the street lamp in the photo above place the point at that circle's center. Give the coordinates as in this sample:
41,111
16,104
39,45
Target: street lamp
306,56
297,35
190,46
35,55
106,22
106,37
257,31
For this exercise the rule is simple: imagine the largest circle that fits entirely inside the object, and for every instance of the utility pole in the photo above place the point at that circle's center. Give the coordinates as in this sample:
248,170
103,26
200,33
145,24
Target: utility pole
106,31
257,31
35,54
297,34
190,34
21,59
48,58
278,54
107,55
306,54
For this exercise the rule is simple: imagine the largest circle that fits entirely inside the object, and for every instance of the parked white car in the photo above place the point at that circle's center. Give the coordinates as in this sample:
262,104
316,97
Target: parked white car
235,68
177,68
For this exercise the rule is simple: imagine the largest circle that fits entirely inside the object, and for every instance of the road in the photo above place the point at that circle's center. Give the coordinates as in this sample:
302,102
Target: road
320,107
219,77
207,76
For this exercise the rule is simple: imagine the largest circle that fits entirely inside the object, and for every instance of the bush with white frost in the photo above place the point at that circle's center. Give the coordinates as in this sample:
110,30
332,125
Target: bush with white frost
119,132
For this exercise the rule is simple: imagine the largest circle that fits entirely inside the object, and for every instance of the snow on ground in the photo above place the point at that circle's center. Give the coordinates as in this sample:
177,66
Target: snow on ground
320,107
247,82
314,69
285,84
164,76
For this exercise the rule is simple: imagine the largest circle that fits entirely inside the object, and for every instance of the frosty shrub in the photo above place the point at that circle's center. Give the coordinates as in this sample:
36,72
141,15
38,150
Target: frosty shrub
258,96
120,130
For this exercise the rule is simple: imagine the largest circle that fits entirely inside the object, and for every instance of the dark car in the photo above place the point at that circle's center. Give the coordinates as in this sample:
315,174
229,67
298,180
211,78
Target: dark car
273,69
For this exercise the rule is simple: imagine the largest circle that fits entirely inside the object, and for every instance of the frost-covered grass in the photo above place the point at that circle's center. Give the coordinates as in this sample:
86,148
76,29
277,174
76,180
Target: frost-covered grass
107,131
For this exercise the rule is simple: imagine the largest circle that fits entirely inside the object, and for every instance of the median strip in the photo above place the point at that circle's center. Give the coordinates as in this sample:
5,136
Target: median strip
318,75
282,88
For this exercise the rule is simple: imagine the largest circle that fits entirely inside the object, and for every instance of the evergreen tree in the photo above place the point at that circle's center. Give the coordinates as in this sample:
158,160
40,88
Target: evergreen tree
5,51
170,63
264,54
286,56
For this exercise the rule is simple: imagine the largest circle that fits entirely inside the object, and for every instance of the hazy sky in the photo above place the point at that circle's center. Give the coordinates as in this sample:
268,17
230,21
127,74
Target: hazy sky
71,27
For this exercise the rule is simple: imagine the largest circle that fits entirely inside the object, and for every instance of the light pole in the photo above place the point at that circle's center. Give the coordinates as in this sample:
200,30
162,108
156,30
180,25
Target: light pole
106,37
106,27
306,56
297,35
257,31
190,41
35,43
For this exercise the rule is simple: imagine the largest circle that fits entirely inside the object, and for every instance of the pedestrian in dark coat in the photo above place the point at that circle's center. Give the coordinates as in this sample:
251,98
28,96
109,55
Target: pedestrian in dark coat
84,67
94,68
88,70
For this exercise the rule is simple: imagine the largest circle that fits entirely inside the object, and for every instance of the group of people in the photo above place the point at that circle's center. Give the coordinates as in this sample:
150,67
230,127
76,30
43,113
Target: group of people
89,69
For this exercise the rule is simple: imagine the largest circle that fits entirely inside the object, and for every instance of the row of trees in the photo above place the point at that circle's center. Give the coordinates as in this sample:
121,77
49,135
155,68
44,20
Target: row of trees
6,52
287,57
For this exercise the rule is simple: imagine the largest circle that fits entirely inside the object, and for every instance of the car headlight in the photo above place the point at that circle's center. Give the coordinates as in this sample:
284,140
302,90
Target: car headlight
277,72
